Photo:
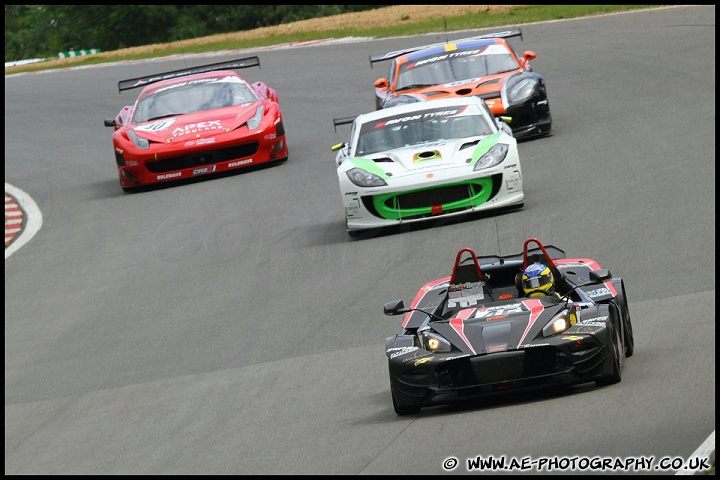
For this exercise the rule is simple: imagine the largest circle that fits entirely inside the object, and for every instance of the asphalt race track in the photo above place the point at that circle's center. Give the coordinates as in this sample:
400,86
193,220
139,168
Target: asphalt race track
231,326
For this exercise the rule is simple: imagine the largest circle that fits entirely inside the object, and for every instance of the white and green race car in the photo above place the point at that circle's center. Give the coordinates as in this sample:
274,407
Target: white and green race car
426,160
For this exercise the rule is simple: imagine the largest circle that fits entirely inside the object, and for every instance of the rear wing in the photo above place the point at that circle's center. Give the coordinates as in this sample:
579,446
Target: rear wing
342,121
390,55
229,65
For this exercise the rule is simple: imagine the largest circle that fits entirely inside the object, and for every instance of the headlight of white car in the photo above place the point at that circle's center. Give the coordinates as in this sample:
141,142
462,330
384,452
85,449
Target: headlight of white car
521,88
363,178
492,157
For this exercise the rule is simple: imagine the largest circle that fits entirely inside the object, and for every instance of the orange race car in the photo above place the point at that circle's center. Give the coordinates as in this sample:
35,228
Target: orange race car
485,66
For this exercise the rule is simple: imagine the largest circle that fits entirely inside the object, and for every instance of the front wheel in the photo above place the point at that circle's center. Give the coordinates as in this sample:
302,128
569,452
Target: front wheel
629,339
615,376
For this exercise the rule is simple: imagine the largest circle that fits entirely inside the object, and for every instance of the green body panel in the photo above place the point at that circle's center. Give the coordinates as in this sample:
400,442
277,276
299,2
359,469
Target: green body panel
480,191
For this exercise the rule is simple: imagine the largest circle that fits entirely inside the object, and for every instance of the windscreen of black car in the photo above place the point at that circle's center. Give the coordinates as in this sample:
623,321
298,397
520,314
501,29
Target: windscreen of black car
415,128
192,96
455,66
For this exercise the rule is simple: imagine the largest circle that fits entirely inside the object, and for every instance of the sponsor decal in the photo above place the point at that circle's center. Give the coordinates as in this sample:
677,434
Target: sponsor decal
498,317
570,264
416,355
514,165
157,126
200,171
499,311
447,359
351,193
397,351
181,84
438,58
169,175
270,136
599,292
353,208
202,141
587,329
505,296
421,361
463,82
412,118
528,345
197,127
497,348
465,294
595,319
573,337
240,163
463,286
591,324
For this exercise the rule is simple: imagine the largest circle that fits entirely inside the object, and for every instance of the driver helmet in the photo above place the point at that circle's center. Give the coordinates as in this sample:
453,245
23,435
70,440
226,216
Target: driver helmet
537,280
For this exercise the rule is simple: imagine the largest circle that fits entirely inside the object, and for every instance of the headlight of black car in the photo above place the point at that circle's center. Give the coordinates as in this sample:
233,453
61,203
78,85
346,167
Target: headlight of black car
559,323
363,178
521,88
433,342
492,157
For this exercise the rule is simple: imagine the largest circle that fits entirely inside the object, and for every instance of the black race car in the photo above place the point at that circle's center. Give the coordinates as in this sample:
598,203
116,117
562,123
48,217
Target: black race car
476,332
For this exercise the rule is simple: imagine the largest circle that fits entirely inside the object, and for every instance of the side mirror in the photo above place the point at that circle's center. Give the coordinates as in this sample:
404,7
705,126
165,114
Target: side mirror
109,122
395,307
528,55
600,275
337,147
382,83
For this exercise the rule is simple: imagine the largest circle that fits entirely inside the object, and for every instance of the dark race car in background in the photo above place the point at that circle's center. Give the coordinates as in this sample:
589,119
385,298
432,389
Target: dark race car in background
485,66
196,121
475,333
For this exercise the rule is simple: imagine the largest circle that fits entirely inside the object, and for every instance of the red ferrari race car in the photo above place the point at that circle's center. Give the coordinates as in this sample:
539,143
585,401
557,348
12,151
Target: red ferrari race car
196,121
485,66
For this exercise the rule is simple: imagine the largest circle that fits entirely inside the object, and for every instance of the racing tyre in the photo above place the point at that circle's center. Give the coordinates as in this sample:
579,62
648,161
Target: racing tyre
615,377
629,338
627,324
403,409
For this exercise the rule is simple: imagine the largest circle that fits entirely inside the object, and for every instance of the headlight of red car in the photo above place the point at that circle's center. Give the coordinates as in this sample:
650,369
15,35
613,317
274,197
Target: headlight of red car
141,143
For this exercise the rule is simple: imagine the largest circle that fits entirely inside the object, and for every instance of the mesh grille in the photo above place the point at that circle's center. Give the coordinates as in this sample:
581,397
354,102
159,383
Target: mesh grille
205,158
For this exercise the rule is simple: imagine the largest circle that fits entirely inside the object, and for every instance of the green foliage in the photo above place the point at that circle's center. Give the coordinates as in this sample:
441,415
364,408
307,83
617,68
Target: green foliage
192,21
42,31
